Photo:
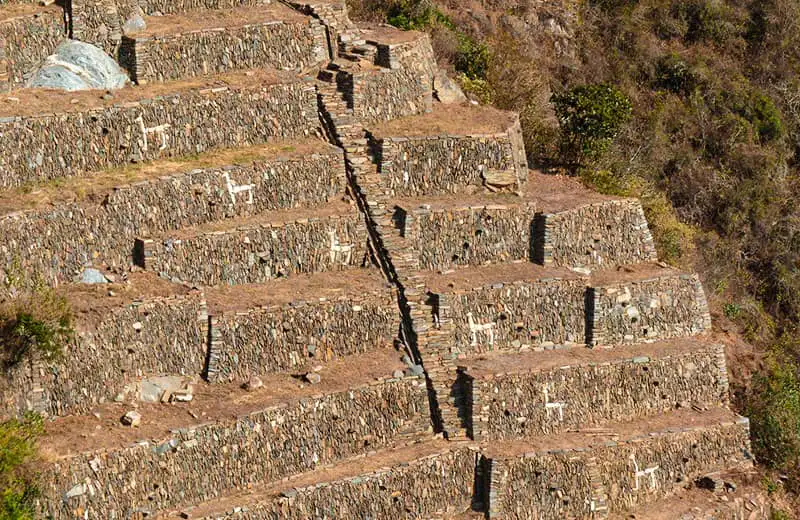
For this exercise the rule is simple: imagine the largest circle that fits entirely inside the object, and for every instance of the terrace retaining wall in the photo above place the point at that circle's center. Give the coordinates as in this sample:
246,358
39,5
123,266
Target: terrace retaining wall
47,146
261,252
272,45
284,338
535,402
54,244
203,462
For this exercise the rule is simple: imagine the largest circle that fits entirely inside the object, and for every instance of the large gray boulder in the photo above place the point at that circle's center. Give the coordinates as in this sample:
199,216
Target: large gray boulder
79,66
447,91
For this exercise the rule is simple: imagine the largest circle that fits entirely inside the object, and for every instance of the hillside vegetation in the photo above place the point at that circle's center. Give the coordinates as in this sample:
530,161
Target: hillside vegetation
693,106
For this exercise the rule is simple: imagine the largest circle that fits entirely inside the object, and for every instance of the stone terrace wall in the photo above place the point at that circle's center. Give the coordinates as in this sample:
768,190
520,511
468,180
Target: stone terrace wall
204,462
153,337
427,485
471,235
48,146
604,234
25,41
512,405
414,55
524,487
258,253
385,94
55,243
284,338
658,308
541,313
100,21
275,45
436,165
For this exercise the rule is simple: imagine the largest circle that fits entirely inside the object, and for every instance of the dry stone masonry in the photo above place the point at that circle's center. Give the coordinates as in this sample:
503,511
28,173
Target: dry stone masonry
259,252
56,242
97,134
246,43
303,288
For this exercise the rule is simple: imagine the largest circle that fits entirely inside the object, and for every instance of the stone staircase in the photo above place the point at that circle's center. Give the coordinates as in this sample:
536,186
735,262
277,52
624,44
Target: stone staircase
317,293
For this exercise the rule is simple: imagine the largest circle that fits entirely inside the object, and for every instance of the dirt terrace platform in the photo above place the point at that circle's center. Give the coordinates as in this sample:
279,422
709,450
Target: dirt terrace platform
68,436
38,101
386,34
632,273
91,303
302,287
464,119
9,12
94,186
692,503
618,431
218,18
373,462
549,193
474,277
277,217
496,364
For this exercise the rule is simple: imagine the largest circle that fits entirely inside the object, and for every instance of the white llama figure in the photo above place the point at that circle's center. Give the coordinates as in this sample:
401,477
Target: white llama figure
650,473
234,189
475,328
159,130
339,250
553,406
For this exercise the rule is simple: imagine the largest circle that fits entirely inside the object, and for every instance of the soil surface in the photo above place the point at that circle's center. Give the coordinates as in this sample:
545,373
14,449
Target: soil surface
40,101
594,436
468,278
68,436
341,207
299,288
376,461
219,18
462,119
95,186
488,366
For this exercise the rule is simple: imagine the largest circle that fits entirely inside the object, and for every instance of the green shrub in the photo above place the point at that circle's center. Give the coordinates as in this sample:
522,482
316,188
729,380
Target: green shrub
37,324
590,116
17,481
675,75
774,413
472,58
731,310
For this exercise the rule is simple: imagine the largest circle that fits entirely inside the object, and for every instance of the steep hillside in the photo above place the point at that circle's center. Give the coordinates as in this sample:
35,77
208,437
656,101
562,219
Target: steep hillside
711,145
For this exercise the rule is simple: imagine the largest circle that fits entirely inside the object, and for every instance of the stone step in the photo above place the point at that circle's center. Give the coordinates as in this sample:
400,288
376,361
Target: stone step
411,481
257,249
197,43
92,130
95,219
507,396
612,469
227,439
143,335
453,149
29,33
525,306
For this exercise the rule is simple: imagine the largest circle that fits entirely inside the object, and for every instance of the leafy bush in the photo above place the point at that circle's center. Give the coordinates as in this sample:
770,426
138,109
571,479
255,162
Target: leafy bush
775,414
413,15
675,75
36,324
590,116
472,58
17,481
